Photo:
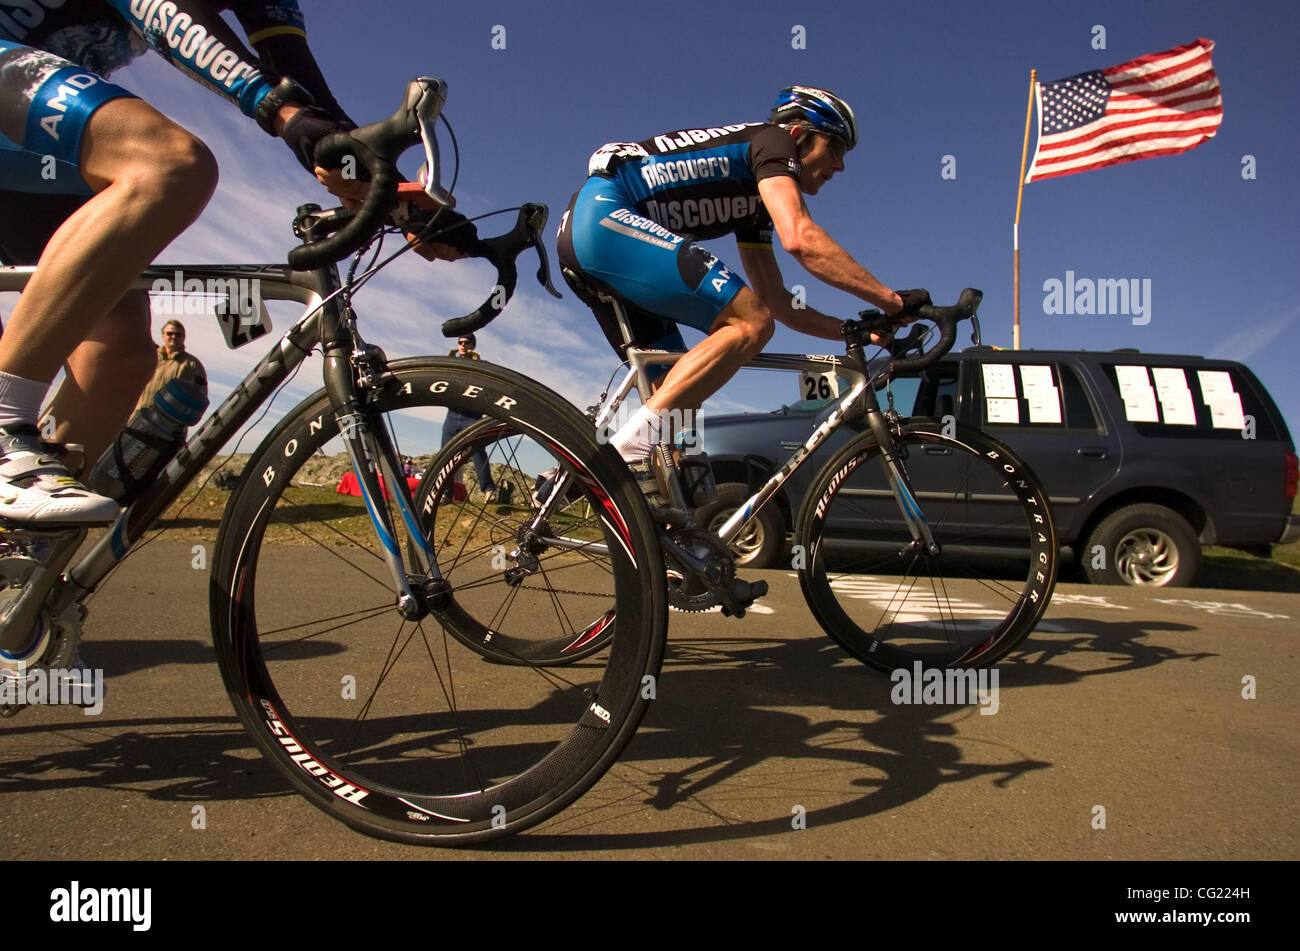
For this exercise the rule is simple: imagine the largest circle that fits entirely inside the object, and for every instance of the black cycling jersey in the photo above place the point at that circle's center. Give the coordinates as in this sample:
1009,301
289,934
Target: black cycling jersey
104,35
703,183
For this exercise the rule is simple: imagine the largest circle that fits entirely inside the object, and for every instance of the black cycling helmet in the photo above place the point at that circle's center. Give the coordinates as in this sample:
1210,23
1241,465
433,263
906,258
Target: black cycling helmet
816,109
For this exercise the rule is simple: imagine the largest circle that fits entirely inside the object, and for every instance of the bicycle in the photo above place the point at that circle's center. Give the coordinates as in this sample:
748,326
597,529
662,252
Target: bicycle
399,733
897,570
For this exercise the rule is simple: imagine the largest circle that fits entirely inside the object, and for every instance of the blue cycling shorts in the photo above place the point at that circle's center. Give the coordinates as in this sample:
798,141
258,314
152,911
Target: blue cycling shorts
45,103
603,236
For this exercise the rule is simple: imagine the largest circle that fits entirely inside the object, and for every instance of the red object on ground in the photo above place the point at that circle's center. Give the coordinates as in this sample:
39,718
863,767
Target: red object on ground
348,485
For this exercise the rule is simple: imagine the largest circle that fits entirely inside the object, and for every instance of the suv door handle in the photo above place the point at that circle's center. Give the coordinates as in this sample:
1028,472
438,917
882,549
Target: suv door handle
1094,452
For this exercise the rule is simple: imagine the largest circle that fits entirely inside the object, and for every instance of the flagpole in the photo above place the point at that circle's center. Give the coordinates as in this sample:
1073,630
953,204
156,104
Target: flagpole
1020,194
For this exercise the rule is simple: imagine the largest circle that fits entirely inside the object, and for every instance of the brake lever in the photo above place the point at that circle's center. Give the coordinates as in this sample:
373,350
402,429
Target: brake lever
526,233
433,97
536,222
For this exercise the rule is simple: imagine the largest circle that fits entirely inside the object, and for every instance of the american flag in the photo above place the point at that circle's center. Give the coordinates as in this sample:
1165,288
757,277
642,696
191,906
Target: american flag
1154,105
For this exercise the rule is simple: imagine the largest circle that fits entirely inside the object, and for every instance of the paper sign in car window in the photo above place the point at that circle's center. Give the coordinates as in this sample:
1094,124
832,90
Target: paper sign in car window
1175,396
1223,400
1041,392
1000,403
1139,398
1002,410
999,381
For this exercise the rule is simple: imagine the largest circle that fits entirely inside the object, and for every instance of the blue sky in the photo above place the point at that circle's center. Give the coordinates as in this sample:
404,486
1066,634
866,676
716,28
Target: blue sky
927,80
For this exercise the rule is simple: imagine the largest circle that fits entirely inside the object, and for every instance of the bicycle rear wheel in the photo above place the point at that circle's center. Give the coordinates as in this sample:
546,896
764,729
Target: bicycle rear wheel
393,726
890,605
552,553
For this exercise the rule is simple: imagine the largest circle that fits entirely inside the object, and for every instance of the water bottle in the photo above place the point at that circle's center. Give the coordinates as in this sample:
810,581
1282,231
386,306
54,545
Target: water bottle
148,442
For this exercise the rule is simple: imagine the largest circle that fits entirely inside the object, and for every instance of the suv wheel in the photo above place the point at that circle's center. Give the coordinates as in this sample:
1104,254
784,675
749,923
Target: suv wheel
761,543
1143,545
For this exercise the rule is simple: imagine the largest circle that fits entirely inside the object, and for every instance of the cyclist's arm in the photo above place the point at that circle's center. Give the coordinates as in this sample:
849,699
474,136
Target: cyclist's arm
812,247
279,35
764,276
192,36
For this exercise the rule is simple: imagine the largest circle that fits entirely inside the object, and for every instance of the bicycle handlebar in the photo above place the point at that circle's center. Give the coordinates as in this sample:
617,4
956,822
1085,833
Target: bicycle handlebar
376,148
945,318
501,252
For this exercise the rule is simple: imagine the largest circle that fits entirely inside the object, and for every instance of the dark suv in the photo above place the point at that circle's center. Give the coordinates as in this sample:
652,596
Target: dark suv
1145,456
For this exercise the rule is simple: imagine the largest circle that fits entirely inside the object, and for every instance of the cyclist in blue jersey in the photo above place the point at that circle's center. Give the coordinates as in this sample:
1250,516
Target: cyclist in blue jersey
631,231
94,183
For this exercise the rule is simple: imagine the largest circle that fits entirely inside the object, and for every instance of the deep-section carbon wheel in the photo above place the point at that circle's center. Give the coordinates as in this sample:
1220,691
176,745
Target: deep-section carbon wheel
888,602
394,726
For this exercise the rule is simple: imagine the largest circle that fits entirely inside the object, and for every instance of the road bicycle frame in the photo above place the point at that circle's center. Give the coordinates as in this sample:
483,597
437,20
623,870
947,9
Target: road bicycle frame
859,403
325,323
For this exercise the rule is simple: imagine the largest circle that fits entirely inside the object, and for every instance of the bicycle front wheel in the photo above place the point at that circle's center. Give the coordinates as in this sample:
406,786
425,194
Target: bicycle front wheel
889,602
393,725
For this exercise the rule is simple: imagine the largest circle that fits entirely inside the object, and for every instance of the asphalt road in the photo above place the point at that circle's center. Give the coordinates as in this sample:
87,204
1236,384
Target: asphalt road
766,741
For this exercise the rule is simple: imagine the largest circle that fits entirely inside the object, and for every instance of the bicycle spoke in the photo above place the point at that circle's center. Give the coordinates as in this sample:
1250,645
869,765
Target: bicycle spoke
367,613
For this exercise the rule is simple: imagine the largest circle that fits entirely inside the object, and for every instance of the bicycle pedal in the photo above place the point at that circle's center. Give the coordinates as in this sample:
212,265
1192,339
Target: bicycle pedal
743,594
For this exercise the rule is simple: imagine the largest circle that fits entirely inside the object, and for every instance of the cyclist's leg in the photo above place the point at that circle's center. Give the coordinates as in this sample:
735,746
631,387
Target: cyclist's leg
662,272
151,179
129,180
738,335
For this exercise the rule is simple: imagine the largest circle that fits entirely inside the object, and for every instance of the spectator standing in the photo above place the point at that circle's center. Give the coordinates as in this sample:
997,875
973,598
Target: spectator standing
174,363
457,422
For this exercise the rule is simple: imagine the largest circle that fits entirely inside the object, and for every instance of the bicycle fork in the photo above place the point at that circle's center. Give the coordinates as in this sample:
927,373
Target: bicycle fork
375,463
922,538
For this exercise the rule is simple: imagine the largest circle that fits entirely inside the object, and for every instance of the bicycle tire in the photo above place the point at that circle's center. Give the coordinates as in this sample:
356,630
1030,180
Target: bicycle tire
988,513
581,623
434,744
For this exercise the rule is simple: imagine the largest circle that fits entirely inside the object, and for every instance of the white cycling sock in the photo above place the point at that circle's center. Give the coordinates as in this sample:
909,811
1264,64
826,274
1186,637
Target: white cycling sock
20,399
638,435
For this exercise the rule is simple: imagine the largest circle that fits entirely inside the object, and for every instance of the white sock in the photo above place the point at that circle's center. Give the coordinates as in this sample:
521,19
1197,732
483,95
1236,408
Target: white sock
638,436
20,399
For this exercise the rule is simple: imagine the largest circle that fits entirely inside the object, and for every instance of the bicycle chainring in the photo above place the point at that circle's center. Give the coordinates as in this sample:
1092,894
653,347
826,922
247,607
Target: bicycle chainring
15,571
690,592
56,639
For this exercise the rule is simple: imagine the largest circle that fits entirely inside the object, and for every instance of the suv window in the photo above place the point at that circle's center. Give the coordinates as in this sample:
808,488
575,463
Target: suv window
905,390
945,393
1178,402
1034,395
